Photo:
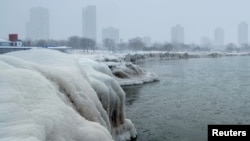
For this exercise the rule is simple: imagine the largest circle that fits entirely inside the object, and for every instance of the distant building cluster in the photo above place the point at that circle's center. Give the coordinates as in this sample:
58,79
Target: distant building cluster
219,37
37,28
12,44
15,44
13,41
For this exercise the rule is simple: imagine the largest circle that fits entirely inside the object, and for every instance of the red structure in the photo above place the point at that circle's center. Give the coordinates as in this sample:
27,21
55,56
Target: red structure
13,38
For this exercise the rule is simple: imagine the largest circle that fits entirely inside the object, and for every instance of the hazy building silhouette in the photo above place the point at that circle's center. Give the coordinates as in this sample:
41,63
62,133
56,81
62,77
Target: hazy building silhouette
37,28
110,33
89,22
219,37
242,33
205,42
147,41
177,34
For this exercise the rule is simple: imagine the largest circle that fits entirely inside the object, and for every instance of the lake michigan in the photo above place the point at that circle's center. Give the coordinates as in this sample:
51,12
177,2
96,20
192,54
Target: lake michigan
191,94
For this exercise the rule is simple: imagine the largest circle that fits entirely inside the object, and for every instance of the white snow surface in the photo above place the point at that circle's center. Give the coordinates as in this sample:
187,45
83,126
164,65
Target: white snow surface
125,72
50,96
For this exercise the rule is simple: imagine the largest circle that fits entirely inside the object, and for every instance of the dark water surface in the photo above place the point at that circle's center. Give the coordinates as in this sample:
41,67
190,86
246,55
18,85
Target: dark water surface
191,94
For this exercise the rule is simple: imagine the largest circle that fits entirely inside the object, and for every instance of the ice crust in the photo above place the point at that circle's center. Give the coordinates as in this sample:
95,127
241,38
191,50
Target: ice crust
125,71
47,95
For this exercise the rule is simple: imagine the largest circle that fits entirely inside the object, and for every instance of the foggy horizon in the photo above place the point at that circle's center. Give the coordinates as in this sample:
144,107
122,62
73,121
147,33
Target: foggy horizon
199,18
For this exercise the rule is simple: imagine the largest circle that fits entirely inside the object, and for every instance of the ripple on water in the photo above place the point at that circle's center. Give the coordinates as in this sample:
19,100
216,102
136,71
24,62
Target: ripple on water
190,95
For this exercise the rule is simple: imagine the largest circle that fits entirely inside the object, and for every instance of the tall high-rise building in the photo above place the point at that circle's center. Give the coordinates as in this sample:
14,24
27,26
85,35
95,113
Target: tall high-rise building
110,33
219,36
242,33
147,41
37,28
177,34
89,22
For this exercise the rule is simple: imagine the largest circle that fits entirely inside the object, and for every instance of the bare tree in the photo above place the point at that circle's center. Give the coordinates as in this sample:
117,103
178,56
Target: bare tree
122,46
168,47
231,47
109,44
62,43
41,43
53,43
87,44
74,42
136,44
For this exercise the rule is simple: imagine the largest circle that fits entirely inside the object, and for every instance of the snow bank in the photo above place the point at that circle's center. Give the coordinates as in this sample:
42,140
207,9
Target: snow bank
48,95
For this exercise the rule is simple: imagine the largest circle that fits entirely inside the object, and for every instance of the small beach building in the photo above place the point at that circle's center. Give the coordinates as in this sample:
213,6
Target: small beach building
4,42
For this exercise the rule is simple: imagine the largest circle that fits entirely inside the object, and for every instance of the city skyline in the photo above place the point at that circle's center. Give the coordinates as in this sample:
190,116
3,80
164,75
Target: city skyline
195,16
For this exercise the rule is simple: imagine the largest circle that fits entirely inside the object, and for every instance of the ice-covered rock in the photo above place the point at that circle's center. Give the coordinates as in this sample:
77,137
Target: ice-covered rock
48,95
128,73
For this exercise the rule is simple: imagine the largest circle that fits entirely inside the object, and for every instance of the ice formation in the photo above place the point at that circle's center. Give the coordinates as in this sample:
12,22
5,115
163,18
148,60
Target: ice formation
48,95
125,72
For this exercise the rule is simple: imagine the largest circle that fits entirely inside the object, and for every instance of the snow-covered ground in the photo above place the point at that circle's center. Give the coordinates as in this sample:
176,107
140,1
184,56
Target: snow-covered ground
48,95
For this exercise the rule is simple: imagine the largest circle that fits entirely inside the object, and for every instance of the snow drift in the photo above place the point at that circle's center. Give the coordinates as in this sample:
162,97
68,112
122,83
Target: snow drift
48,95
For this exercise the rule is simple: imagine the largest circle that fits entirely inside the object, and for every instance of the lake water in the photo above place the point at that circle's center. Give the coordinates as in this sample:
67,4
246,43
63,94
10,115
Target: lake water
191,94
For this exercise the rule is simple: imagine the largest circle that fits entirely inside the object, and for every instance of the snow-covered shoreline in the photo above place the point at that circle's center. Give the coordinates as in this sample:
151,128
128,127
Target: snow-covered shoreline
105,56
125,70
126,73
48,95
179,55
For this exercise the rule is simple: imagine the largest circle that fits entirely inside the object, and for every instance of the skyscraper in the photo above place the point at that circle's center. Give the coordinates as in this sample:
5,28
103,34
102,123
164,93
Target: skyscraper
37,28
147,41
242,33
177,34
110,33
219,37
89,22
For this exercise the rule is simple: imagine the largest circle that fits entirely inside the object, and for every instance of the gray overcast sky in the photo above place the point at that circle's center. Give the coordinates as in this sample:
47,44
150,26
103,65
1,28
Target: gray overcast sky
133,17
